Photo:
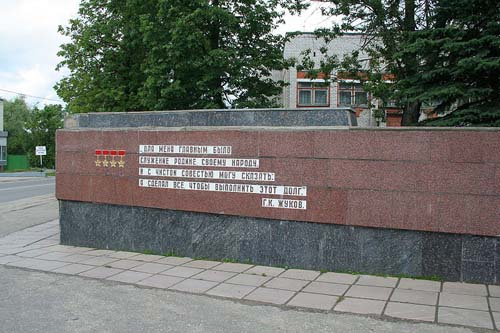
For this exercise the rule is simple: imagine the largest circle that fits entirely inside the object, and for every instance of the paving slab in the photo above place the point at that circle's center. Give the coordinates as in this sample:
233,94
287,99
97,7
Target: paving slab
69,249
326,288
414,296
496,318
7,259
231,290
129,277
203,264
147,257
73,269
313,301
174,261
494,303
122,254
182,271
377,281
269,295
341,278
249,280
151,267
25,263
379,293
463,301
286,284
216,276
125,263
464,317
232,267
101,272
47,265
360,306
194,286
98,261
160,281
76,258
53,255
32,253
465,288
265,271
494,291
300,274
411,311
100,252
424,285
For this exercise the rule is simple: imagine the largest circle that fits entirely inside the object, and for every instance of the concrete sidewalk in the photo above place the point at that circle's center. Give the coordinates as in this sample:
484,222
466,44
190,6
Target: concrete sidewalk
456,304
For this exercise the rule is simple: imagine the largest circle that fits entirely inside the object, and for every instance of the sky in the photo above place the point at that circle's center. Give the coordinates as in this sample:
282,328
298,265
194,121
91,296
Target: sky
29,43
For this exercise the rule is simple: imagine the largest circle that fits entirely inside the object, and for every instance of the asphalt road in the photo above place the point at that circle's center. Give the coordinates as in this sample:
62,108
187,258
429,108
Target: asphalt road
25,202
12,189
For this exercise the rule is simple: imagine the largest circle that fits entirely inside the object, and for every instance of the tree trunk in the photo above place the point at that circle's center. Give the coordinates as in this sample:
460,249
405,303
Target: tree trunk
411,113
214,45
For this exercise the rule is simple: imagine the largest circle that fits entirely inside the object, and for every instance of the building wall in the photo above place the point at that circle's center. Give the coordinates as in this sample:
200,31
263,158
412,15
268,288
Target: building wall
340,47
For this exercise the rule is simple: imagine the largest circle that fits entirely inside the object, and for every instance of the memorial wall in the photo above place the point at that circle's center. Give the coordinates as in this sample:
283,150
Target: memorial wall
415,201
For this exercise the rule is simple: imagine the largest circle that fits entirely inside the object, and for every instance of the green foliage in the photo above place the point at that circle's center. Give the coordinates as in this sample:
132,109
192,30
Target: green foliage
459,63
171,54
441,52
16,113
41,126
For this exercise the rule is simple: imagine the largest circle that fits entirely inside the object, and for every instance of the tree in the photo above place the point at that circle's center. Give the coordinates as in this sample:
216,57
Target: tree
16,113
171,54
459,63
385,25
42,125
436,51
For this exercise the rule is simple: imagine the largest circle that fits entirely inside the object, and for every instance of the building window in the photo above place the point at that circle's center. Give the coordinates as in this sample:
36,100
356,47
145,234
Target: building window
352,94
3,153
313,94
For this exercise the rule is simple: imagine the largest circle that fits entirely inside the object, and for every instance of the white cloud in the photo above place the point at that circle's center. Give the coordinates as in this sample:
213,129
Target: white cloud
29,42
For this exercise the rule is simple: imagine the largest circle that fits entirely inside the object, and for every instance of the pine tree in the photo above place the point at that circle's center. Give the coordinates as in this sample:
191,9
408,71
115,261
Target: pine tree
459,63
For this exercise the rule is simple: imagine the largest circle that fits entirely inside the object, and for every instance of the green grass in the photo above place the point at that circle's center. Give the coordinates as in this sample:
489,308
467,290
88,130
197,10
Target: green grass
50,174
229,260
171,253
148,252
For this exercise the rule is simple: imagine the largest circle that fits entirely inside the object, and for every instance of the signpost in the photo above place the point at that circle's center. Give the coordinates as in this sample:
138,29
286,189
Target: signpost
41,151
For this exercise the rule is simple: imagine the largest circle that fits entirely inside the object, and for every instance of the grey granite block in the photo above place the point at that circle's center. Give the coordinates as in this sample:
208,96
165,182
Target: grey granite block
386,251
478,271
242,117
479,248
268,242
442,255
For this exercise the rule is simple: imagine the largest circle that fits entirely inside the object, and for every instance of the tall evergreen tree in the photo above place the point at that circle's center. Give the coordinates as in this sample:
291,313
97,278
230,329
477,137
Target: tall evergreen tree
443,52
458,63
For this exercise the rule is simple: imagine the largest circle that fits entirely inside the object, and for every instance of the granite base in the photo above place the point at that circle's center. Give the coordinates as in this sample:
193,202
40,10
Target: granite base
296,244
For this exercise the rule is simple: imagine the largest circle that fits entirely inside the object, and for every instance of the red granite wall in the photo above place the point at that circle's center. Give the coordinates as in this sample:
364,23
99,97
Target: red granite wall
430,180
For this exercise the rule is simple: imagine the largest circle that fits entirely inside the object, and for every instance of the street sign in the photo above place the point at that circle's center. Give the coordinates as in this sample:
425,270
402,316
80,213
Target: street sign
40,151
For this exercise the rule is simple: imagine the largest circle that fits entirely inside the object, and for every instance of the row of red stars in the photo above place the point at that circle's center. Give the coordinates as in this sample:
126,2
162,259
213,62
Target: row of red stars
109,152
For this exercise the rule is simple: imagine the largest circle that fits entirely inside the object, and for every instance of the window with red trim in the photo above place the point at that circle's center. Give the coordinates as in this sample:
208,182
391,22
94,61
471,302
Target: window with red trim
313,94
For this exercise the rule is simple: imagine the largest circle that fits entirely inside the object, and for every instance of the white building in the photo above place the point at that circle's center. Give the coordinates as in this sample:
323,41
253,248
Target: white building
306,92
3,139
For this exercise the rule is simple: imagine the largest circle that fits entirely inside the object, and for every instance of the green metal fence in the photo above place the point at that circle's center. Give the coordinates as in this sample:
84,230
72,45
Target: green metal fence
17,162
